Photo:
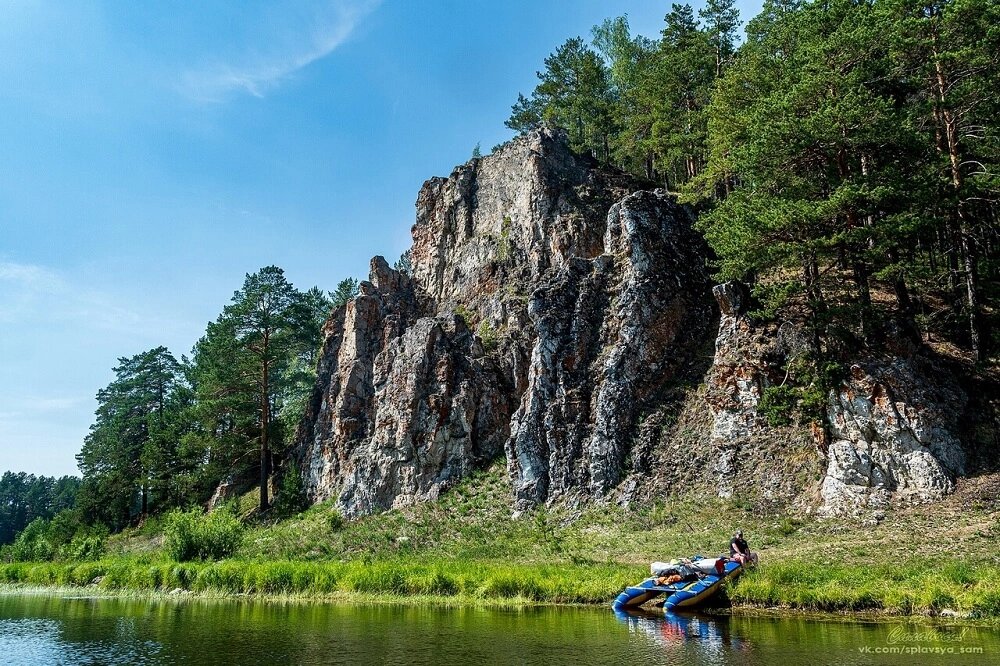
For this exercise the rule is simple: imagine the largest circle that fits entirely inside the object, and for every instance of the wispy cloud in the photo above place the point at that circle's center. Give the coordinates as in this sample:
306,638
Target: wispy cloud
291,45
29,276
34,293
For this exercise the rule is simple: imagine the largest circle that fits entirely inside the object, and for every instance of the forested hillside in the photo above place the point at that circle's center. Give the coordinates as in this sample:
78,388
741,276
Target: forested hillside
843,157
26,497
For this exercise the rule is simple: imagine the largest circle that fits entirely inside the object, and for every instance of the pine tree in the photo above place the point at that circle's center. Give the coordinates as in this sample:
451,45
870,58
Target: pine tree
345,291
680,86
128,454
629,61
574,93
264,319
811,129
722,20
949,52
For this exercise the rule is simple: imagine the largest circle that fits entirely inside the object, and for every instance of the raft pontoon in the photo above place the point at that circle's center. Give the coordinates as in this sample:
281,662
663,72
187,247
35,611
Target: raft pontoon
692,590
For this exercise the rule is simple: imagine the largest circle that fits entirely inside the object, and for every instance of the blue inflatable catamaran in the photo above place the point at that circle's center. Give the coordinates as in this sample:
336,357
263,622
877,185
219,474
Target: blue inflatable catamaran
686,583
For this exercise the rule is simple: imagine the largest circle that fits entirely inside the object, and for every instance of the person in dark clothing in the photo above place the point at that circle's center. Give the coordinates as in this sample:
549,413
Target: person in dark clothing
739,550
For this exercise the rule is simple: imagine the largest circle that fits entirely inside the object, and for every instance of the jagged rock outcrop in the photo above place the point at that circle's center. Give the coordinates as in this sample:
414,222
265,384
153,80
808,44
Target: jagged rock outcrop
892,424
893,428
559,313
405,404
584,296
748,359
608,333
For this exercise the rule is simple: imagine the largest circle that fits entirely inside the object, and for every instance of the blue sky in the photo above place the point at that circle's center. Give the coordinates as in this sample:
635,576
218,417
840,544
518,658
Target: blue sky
151,154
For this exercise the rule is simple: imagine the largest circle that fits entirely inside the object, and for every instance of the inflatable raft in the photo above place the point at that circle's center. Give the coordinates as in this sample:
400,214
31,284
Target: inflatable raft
692,590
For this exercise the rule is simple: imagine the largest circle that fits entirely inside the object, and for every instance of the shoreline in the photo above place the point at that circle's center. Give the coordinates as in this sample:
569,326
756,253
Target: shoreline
514,603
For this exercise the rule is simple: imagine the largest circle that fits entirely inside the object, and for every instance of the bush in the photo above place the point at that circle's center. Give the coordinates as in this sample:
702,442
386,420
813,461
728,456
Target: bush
488,335
777,404
82,548
32,544
190,535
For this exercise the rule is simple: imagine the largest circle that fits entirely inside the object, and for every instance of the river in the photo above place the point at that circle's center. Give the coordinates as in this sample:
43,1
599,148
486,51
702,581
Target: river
38,629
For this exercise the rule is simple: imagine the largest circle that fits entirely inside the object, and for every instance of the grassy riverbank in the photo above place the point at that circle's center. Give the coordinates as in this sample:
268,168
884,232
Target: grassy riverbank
466,549
447,580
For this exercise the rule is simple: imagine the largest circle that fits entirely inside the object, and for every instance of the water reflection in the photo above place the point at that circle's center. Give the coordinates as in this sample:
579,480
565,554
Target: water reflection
47,630
710,638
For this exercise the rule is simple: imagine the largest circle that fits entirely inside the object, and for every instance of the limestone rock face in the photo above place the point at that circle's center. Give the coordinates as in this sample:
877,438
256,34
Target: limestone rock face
892,424
893,428
547,304
609,332
748,359
559,314
404,404
484,237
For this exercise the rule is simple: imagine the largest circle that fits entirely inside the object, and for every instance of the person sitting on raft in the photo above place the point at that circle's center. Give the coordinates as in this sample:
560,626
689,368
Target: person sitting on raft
739,550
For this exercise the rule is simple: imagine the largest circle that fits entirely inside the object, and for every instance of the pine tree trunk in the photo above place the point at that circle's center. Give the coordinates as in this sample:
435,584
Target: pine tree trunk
971,287
864,296
814,298
964,246
265,425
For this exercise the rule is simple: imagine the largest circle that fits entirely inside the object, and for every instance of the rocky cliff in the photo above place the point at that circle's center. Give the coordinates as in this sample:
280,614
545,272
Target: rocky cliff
559,314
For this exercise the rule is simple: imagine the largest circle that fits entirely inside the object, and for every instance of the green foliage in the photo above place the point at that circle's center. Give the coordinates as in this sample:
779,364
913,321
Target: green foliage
404,264
803,393
345,291
291,497
468,316
477,152
131,453
777,404
488,335
63,537
191,535
256,347
789,526
827,151
32,544
574,92
504,245
26,497
83,548
335,520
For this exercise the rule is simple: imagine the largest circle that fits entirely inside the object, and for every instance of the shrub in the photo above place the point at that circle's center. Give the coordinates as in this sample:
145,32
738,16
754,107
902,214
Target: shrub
467,315
504,245
777,404
291,497
82,548
32,544
191,536
788,526
488,335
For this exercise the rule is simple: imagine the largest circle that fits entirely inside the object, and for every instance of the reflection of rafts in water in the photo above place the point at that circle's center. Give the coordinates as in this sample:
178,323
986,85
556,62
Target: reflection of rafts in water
686,637
675,628
687,593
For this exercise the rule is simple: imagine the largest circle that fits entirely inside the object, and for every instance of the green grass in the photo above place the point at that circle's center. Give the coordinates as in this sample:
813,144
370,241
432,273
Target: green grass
467,549
899,589
471,581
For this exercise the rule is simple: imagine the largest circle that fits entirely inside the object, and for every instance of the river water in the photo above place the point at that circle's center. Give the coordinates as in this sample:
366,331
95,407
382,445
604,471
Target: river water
58,630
